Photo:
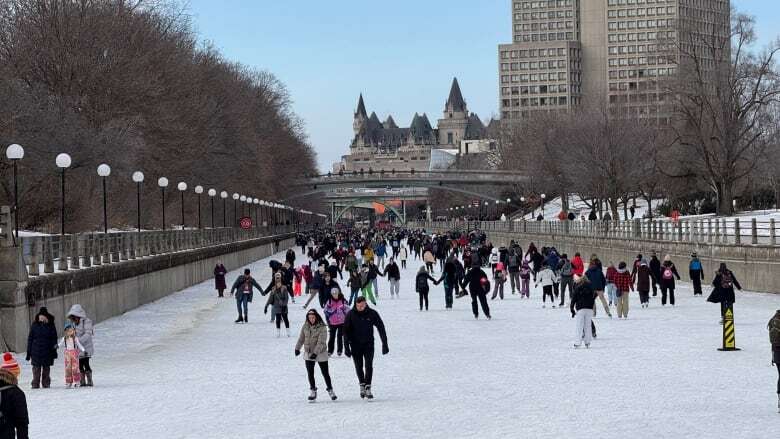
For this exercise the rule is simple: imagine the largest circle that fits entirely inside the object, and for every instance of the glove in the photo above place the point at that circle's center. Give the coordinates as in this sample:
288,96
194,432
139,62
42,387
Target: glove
297,352
312,356
385,350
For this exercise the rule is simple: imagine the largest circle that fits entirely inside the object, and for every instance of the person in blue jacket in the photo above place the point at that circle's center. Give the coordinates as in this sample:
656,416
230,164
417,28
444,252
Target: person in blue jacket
598,283
697,274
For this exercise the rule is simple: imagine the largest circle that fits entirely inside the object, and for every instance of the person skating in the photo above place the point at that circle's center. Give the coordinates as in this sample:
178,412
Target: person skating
72,348
359,342
611,288
494,259
85,332
723,292
774,339
499,279
525,280
598,283
277,300
313,339
316,284
243,288
450,278
566,271
583,300
394,278
219,279
655,267
355,284
624,285
373,276
668,273
577,266
479,285
644,279
696,271
546,279
403,256
42,348
513,266
13,406
422,287
335,313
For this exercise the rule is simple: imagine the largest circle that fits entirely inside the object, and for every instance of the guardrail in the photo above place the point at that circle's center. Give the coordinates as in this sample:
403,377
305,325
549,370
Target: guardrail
713,230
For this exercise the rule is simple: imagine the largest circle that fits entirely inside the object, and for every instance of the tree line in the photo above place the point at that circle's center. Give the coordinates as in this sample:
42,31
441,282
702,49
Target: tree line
128,83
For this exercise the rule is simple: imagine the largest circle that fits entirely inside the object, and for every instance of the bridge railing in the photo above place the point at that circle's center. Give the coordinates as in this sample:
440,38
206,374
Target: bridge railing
50,253
711,230
369,174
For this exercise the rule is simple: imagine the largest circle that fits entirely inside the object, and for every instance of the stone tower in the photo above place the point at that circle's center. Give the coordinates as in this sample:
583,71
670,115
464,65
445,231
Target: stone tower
452,126
361,117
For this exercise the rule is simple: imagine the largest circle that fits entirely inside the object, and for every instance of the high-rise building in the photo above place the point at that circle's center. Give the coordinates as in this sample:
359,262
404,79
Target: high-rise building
618,52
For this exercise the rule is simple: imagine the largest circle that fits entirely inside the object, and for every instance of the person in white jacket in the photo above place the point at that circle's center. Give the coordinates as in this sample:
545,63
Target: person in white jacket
547,278
494,260
403,255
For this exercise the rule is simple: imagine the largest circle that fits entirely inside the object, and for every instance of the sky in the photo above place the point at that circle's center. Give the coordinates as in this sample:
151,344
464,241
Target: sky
401,54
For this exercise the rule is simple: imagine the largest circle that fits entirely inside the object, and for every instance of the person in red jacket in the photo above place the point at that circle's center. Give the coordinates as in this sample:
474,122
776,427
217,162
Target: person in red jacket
578,267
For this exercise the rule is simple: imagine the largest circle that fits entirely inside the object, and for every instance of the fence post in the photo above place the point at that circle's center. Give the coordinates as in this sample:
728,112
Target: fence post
62,264
753,232
74,252
87,262
709,231
34,270
48,255
737,233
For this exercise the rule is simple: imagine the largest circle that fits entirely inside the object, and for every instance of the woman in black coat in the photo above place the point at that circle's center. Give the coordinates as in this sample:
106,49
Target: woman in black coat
42,348
219,279
724,284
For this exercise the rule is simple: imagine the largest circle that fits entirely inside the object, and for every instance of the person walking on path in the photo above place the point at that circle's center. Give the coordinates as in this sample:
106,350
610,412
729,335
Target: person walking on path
219,279
546,279
42,348
644,279
624,285
13,406
313,339
243,288
611,288
85,332
335,313
479,286
277,300
566,270
394,278
774,338
696,271
723,292
583,300
513,266
499,279
421,286
668,273
598,283
359,337
72,348
450,278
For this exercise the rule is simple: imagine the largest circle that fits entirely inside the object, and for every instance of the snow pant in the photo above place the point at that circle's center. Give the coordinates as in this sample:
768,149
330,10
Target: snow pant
514,280
696,279
72,374
395,287
448,295
600,295
622,304
566,281
584,318
403,264
363,357
498,289
423,299
84,365
41,377
547,290
282,316
353,295
242,301
368,293
644,296
375,284
612,293
525,290
336,333
482,297
323,369
664,289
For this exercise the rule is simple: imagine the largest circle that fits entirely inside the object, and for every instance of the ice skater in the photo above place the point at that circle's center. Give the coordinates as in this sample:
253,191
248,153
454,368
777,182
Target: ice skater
359,337
313,339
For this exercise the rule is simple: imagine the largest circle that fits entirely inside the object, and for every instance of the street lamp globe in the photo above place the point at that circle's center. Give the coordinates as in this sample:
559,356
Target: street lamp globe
544,196
198,190
63,161
522,199
162,182
236,196
242,198
256,201
104,170
486,203
212,192
138,176
223,194
508,200
14,152
182,186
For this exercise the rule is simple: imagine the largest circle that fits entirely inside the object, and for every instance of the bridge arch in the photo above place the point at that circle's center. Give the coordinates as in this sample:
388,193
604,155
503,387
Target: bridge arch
354,203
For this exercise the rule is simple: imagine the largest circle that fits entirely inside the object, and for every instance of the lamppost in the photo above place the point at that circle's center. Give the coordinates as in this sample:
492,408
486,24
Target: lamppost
15,153
212,193
262,210
256,203
182,186
242,198
63,162
224,196
163,183
199,191
543,197
104,171
138,178
235,209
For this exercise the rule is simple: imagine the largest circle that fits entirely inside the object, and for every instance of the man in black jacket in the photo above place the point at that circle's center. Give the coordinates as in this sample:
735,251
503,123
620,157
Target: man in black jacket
450,277
359,342
655,268
13,408
478,284
394,277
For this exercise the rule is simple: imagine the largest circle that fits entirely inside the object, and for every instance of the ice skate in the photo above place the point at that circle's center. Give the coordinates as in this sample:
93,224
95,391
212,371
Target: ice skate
288,331
313,395
278,332
369,395
362,391
240,319
332,394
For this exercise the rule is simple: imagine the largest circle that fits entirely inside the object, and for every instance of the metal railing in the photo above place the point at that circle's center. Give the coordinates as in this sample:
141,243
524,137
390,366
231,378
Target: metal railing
712,231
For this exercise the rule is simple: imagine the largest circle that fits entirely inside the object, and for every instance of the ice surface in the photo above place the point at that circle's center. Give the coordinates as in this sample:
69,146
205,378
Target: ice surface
180,368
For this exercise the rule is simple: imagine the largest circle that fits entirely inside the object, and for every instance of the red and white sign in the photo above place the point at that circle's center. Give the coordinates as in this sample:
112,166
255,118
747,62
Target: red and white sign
245,223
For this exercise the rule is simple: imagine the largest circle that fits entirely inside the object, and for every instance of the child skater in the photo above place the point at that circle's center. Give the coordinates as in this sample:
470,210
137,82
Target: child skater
73,349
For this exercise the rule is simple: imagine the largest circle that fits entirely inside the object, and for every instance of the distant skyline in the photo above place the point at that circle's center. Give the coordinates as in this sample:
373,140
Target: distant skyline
401,55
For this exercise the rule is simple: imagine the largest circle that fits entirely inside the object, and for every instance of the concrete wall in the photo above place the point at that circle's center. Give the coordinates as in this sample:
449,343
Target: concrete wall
757,268
110,290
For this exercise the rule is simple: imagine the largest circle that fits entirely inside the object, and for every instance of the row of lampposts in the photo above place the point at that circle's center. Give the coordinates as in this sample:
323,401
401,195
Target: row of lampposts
457,210
63,161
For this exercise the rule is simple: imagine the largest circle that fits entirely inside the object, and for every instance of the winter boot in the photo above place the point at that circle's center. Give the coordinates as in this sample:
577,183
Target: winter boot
313,395
369,395
83,381
46,377
36,382
362,390
89,379
240,319
332,394
246,319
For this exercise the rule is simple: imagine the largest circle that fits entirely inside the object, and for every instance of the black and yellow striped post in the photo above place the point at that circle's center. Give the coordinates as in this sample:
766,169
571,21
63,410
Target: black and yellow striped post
729,343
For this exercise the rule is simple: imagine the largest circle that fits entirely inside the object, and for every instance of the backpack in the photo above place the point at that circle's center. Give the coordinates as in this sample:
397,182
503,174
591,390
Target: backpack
421,282
668,274
514,261
567,270
726,281
774,330
695,264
